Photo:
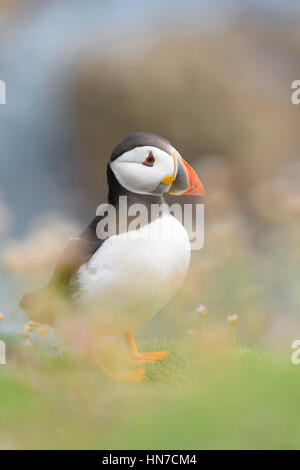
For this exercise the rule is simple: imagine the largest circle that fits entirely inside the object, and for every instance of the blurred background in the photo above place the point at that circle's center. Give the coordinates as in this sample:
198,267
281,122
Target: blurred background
214,78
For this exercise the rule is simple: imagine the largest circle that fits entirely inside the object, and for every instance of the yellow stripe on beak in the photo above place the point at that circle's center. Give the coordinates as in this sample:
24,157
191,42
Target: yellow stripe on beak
167,179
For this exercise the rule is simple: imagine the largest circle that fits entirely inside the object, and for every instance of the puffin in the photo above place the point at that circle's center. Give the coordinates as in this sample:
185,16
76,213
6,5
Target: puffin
118,279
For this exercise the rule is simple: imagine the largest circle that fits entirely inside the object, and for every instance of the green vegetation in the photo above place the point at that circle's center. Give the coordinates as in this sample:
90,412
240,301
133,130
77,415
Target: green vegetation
195,399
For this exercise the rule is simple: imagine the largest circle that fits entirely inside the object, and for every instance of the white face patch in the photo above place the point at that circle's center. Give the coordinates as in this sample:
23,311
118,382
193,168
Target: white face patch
134,175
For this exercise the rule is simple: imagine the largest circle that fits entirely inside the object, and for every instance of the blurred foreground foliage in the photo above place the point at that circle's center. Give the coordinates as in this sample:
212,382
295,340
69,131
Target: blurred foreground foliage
196,399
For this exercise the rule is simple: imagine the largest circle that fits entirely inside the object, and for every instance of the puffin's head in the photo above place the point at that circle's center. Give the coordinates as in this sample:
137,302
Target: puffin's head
146,163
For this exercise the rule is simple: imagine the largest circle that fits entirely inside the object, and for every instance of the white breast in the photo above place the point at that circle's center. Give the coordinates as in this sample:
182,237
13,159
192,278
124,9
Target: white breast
133,275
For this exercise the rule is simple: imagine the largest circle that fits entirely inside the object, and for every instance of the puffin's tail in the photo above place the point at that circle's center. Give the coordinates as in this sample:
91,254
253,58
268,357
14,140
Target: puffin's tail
36,305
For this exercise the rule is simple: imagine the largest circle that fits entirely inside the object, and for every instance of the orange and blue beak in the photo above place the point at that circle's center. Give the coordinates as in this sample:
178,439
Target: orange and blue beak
186,180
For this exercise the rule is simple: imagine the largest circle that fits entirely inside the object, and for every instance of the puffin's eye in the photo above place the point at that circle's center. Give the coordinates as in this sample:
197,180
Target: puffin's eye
149,160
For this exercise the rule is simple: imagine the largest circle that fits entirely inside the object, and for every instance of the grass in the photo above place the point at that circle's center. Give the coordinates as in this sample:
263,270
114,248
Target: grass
195,399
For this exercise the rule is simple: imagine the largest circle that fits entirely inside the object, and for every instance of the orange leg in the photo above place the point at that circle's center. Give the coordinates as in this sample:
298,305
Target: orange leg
138,357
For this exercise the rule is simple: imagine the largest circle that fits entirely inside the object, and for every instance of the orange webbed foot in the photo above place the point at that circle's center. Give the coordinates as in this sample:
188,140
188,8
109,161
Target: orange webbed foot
128,375
149,357
141,358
